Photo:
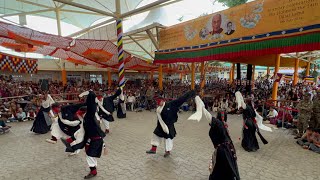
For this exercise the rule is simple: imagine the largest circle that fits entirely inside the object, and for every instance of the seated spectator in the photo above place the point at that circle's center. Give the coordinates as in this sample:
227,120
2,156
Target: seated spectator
232,108
215,105
31,115
131,101
272,115
306,139
21,116
286,117
3,127
315,145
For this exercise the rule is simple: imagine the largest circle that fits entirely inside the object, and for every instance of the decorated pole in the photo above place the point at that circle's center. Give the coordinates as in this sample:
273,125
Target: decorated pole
120,53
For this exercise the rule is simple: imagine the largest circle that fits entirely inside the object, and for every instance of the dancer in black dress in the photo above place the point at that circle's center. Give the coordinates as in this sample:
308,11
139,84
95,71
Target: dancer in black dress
121,108
249,139
223,164
167,115
93,138
108,105
42,123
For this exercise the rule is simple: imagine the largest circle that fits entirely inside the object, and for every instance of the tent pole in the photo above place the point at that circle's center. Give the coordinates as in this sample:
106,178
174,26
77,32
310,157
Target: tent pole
296,68
308,68
63,67
275,84
160,77
192,75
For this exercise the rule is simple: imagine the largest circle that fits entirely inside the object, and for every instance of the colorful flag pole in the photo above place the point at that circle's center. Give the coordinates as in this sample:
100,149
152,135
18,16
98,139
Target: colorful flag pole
120,53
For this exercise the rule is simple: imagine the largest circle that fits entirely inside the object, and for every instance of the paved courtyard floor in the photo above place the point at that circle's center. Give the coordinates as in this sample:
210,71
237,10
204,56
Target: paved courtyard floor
24,155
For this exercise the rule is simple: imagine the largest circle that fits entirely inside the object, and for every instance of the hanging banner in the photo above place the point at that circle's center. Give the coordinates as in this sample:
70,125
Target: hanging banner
288,77
244,21
18,64
309,79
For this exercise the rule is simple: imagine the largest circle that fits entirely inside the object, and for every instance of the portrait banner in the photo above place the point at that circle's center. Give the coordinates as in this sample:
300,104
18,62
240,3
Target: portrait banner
257,28
257,17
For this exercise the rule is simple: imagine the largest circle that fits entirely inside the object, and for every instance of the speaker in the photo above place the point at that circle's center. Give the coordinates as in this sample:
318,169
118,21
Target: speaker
249,77
238,71
44,84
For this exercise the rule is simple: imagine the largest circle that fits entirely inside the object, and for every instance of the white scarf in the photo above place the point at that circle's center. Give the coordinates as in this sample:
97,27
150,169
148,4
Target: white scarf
163,125
200,110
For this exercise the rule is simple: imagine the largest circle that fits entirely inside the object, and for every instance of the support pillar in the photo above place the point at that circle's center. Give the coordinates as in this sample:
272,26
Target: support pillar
308,69
296,68
160,78
268,72
249,78
253,73
151,75
231,75
63,63
238,76
203,79
192,76
180,76
275,84
64,76
109,79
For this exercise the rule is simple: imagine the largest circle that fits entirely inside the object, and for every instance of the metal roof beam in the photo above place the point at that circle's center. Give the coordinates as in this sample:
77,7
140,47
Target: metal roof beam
91,27
27,13
144,8
86,7
35,4
154,41
141,47
158,3
79,12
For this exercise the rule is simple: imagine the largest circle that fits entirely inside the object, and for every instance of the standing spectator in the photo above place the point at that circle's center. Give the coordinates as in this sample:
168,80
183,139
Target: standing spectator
305,109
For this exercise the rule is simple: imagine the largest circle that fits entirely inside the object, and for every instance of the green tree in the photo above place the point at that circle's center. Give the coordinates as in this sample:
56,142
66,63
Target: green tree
231,3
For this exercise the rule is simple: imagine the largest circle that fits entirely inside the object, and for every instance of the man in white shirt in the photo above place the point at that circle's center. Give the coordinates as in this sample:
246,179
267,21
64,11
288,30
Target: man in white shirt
131,100
272,113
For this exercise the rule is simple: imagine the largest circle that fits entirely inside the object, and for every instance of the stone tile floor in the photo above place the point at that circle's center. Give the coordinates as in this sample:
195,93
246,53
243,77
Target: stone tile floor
24,155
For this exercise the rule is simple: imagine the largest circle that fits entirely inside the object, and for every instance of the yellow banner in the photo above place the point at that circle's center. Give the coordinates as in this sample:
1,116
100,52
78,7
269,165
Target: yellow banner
257,17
